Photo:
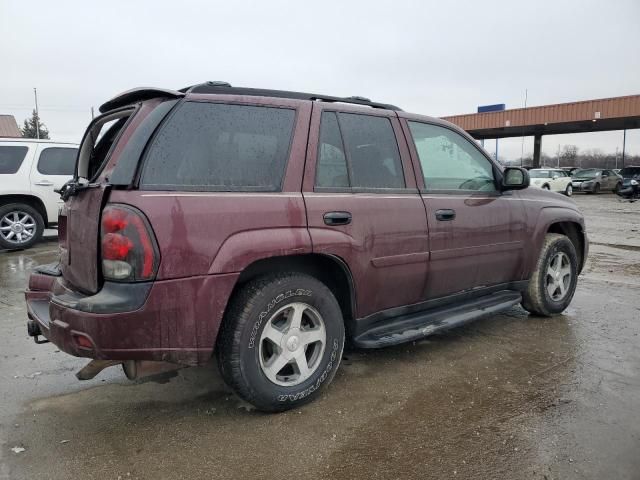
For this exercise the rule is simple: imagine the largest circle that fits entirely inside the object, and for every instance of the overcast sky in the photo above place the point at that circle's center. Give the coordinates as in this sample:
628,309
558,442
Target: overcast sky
432,57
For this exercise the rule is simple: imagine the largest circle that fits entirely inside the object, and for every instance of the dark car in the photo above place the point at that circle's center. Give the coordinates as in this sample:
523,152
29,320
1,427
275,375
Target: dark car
595,180
267,227
630,180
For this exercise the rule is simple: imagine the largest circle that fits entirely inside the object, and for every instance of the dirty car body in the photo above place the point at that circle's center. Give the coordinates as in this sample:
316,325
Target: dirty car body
194,206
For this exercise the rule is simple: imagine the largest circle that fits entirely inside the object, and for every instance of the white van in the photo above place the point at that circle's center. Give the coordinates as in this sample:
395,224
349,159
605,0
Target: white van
30,171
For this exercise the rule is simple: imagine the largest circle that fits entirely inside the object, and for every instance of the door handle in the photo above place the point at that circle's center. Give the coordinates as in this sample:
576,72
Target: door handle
44,183
337,218
445,215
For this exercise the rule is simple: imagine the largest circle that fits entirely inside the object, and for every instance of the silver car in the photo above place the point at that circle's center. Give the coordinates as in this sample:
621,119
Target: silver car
593,180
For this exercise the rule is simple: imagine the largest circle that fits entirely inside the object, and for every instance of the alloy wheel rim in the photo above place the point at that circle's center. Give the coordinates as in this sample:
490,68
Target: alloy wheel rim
17,227
292,344
569,190
558,277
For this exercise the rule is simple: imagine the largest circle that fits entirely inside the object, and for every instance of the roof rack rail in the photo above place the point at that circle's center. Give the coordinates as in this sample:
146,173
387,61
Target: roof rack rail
222,88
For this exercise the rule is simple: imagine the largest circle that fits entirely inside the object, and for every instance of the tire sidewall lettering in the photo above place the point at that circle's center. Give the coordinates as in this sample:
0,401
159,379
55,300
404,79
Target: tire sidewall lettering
319,381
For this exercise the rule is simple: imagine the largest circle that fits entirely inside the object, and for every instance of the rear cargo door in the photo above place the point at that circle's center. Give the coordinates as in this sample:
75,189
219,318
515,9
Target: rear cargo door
79,228
79,219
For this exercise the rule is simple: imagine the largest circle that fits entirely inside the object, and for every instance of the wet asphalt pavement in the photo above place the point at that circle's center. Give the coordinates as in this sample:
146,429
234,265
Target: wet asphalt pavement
510,396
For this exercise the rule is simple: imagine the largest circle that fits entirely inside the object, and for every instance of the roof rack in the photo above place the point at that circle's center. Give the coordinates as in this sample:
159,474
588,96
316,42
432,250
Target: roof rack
222,88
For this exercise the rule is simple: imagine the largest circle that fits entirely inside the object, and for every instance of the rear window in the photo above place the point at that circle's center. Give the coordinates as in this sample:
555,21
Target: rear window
220,147
11,158
57,161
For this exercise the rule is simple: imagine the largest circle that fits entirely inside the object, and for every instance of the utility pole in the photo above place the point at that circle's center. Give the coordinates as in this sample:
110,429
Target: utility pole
558,156
35,94
616,157
92,115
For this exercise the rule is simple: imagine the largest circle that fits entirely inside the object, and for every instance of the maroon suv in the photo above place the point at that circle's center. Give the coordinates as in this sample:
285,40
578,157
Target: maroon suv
266,226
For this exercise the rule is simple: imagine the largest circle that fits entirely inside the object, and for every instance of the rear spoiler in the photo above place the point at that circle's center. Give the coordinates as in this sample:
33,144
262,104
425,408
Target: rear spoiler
138,95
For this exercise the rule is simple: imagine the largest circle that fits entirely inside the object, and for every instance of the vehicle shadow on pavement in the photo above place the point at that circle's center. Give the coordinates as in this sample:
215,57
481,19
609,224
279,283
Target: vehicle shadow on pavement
384,408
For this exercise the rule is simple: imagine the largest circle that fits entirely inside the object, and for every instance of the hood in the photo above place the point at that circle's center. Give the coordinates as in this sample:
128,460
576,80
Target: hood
548,198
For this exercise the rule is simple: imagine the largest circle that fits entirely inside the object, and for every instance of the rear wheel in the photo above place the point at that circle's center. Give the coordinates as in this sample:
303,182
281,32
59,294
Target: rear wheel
553,283
569,190
281,341
546,187
21,226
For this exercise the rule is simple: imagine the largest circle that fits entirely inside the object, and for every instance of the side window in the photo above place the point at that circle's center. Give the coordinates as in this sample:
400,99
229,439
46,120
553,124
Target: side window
331,169
372,151
449,161
57,161
221,147
11,158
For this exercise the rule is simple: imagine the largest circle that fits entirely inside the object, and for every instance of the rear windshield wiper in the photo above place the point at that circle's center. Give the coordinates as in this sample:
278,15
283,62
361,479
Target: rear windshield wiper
72,187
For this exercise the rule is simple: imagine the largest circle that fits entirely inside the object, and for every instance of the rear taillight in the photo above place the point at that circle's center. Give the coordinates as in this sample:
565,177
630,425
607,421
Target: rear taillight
129,252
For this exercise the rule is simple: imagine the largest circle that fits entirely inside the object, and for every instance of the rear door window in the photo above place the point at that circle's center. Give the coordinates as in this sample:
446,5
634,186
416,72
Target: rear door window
220,147
57,161
11,158
372,151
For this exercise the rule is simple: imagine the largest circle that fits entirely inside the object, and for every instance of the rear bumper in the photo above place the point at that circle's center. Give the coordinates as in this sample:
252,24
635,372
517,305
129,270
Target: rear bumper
171,320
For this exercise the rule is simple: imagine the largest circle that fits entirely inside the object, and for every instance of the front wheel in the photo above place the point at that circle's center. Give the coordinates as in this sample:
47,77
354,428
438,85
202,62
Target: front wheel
281,341
21,226
596,189
546,187
553,283
569,190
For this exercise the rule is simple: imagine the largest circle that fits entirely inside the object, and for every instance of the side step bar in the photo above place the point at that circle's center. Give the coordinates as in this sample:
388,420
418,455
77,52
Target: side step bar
414,326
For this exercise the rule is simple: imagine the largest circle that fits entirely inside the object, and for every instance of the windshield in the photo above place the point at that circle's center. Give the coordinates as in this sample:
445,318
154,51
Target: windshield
540,173
587,172
630,171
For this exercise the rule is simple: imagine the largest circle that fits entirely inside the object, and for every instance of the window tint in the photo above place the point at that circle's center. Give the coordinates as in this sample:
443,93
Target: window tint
11,158
372,151
331,170
57,161
209,146
449,161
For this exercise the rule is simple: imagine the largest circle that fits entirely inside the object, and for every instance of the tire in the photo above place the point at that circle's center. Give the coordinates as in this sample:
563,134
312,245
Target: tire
618,188
541,298
569,190
546,187
29,230
596,189
263,310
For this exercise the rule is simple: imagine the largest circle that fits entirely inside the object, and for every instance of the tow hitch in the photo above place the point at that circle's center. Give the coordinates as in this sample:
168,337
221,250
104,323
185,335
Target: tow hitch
33,329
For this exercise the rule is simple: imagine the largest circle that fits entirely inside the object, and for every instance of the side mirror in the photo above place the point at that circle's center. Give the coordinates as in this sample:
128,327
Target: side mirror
514,178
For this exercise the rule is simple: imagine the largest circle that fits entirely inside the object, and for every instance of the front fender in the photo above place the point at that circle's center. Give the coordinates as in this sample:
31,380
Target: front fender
548,216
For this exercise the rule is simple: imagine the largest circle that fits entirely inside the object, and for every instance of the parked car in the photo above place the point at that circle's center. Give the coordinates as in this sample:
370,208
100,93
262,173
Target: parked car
30,171
593,180
554,179
266,227
630,182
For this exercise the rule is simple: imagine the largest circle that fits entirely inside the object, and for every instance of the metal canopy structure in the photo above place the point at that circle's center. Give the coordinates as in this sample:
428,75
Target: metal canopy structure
617,113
